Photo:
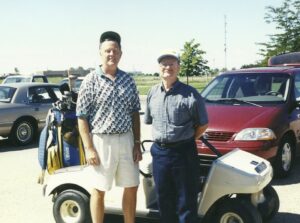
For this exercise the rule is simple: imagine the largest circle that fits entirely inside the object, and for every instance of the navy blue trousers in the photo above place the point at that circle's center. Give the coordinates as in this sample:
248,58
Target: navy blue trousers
175,172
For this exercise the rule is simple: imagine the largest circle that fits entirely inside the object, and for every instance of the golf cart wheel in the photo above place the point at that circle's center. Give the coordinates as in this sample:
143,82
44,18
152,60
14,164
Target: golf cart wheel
71,206
270,206
285,157
237,211
22,133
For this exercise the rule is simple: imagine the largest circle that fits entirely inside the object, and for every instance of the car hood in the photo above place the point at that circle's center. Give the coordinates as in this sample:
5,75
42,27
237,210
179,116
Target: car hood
236,118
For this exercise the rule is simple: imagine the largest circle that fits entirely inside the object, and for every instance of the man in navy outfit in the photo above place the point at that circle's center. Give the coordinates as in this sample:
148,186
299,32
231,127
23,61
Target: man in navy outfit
178,116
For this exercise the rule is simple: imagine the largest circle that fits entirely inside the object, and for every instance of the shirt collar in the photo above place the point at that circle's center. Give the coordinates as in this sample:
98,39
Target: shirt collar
174,87
100,72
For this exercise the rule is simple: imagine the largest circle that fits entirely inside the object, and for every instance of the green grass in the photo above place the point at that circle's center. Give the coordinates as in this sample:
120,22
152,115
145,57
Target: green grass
144,83
55,80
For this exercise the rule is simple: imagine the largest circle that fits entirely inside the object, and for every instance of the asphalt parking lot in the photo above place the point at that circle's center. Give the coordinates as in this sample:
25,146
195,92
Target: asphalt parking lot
21,197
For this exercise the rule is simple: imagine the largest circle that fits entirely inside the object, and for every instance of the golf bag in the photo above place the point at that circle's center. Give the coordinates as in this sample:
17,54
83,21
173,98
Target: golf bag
60,144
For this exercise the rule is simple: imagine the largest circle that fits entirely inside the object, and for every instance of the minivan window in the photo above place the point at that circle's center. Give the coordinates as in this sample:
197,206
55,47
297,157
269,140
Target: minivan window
297,87
253,87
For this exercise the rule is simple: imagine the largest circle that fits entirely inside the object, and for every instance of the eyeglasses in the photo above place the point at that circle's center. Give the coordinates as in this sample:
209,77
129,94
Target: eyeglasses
164,65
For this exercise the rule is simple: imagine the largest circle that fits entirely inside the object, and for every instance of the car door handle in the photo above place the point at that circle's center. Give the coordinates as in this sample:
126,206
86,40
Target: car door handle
36,109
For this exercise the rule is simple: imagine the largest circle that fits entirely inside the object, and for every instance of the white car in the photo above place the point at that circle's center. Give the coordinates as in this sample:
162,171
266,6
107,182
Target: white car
25,78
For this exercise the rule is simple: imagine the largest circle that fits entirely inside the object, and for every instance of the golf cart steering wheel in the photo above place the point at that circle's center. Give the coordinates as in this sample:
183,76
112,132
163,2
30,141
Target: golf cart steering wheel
146,175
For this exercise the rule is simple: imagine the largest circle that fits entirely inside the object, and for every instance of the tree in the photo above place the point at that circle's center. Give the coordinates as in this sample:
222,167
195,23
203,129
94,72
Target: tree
192,61
80,69
287,20
249,66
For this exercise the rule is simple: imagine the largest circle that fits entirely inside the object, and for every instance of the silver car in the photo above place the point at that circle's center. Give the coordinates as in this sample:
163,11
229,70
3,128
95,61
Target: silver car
23,109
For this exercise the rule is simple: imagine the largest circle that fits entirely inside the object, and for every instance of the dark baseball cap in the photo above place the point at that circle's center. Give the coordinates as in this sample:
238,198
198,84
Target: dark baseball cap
110,35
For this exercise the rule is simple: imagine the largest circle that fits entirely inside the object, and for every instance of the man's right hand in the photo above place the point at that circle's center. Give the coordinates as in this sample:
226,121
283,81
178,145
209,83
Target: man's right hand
92,157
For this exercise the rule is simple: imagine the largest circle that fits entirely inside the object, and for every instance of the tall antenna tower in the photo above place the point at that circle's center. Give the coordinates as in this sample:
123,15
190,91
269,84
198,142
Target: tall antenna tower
225,41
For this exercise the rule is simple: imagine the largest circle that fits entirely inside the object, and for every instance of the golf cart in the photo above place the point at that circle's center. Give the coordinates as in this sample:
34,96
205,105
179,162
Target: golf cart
236,188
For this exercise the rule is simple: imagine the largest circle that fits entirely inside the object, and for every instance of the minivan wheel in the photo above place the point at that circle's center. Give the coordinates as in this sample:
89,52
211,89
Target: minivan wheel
285,157
71,206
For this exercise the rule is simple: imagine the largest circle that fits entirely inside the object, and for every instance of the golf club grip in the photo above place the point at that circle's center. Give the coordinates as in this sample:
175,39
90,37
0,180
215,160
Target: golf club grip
210,146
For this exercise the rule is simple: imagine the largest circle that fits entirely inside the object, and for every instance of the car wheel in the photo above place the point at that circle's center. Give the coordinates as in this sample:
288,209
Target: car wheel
237,211
285,157
22,133
71,206
270,206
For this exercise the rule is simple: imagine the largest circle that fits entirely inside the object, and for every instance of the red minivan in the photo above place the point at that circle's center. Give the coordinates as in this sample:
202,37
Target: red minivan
256,110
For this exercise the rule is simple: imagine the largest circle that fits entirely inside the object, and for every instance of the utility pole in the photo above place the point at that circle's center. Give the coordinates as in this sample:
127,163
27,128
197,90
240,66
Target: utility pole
225,41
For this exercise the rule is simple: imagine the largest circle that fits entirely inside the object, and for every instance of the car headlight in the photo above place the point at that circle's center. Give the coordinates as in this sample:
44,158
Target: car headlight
255,134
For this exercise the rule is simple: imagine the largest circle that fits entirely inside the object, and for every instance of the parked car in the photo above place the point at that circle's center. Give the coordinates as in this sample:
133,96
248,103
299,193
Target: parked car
78,82
23,109
256,110
24,78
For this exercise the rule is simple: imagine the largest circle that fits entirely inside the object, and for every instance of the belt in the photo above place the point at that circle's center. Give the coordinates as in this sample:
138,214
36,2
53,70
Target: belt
173,144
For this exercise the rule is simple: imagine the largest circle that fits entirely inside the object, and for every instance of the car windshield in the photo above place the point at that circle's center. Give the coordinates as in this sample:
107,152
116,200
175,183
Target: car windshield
248,88
6,93
17,80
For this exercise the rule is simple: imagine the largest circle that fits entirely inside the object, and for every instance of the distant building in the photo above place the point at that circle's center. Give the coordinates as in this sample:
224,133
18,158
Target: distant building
55,73
80,72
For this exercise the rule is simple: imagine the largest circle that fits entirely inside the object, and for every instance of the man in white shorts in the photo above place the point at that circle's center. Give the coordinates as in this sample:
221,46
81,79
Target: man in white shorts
109,124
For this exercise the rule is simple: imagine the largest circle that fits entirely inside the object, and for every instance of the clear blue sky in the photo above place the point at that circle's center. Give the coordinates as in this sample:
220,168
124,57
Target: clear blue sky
58,34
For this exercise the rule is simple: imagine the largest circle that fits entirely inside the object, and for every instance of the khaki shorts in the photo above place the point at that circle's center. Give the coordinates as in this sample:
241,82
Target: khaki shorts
116,162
